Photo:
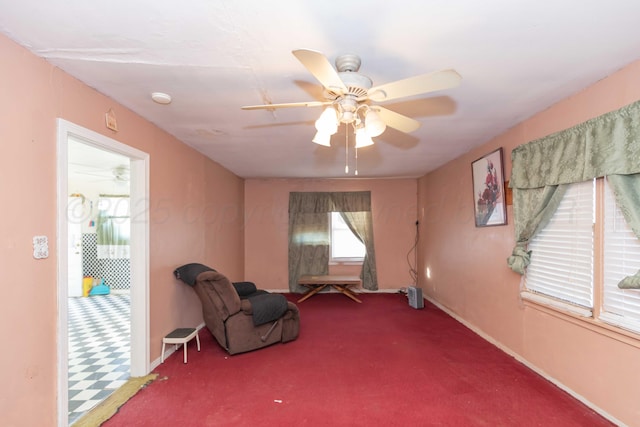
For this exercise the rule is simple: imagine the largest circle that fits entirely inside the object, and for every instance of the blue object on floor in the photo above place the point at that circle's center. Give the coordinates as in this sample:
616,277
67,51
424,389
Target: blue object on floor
100,289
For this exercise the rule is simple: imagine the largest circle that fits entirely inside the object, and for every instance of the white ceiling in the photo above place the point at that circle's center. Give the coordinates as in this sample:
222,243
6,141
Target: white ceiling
516,58
90,168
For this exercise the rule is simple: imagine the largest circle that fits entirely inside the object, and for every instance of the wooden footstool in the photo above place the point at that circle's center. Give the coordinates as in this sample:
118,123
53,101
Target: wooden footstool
180,336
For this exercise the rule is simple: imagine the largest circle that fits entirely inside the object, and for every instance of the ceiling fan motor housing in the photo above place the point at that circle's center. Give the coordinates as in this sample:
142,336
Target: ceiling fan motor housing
348,62
347,66
357,84
357,88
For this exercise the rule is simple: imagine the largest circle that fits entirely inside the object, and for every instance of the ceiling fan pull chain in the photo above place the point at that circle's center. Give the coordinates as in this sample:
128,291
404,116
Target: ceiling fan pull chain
346,150
356,171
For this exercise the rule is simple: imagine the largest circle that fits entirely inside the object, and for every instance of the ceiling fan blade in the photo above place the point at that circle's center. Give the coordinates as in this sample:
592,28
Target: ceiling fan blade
423,83
395,120
321,68
288,105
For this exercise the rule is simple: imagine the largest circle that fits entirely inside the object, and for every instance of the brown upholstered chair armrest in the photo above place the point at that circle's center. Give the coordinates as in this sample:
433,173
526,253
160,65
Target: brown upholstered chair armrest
292,311
245,306
292,307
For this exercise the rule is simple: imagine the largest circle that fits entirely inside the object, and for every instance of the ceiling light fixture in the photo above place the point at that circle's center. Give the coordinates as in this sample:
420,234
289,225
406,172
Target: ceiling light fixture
366,123
161,98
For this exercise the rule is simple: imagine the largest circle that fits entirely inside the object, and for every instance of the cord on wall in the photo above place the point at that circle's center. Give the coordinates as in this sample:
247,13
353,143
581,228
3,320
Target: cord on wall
413,272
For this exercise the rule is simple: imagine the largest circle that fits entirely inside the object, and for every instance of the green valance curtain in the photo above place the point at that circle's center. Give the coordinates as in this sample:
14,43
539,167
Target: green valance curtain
309,233
608,145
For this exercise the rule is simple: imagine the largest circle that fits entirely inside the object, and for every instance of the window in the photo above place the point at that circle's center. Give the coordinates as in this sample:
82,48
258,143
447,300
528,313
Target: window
562,253
113,227
620,307
563,265
345,246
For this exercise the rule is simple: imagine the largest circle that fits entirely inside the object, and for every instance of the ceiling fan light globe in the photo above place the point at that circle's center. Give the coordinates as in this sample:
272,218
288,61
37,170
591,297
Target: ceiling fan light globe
362,138
322,139
327,123
373,124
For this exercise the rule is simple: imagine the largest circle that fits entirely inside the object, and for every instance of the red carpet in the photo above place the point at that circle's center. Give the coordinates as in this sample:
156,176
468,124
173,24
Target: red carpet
379,363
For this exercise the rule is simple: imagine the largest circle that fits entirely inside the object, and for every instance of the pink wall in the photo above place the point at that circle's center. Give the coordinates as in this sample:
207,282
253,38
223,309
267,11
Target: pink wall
470,277
184,188
266,227
195,217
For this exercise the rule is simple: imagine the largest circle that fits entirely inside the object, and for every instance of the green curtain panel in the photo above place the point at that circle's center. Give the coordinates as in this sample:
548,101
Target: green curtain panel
608,145
536,207
626,189
361,225
308,247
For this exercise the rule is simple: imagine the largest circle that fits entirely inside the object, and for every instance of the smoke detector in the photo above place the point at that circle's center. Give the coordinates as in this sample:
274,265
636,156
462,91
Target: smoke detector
161,98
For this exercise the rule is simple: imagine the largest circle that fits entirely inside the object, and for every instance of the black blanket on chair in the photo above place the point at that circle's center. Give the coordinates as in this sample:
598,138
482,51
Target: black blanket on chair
267,307
245,289
188,273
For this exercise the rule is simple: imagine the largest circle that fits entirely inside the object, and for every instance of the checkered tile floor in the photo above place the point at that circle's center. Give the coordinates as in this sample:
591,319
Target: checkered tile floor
99,349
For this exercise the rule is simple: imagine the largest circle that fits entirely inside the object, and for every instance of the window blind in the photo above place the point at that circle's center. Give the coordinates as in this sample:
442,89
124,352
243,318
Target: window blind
620,307
562,253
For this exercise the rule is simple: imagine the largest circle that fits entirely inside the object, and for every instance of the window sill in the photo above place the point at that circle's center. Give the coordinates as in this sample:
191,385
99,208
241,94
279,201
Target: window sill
579,316
345,262
564,307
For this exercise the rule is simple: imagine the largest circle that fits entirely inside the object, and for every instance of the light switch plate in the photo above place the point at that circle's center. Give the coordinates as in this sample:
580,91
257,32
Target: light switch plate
40,247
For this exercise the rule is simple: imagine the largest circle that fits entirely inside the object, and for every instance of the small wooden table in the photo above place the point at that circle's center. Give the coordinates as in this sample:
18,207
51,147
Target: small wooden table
339,283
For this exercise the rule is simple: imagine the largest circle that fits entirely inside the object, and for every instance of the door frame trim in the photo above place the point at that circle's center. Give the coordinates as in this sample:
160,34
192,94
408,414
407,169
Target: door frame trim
139,196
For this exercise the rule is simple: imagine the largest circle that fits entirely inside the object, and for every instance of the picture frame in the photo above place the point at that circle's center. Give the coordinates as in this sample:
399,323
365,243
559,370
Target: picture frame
489,201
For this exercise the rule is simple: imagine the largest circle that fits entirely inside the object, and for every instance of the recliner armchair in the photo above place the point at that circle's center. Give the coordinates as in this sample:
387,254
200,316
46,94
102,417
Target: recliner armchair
241,317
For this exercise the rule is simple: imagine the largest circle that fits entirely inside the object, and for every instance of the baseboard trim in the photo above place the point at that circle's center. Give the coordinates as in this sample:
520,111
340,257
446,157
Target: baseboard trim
528,364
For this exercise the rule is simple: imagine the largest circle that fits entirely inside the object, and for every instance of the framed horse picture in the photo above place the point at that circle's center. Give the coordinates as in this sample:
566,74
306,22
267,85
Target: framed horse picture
488,190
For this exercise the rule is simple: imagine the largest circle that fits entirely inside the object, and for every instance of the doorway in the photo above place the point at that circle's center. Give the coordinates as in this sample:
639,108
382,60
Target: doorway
135,164
99,279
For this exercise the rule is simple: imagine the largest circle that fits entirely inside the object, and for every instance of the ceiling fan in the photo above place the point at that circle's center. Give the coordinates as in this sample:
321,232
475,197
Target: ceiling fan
117,174
349,97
